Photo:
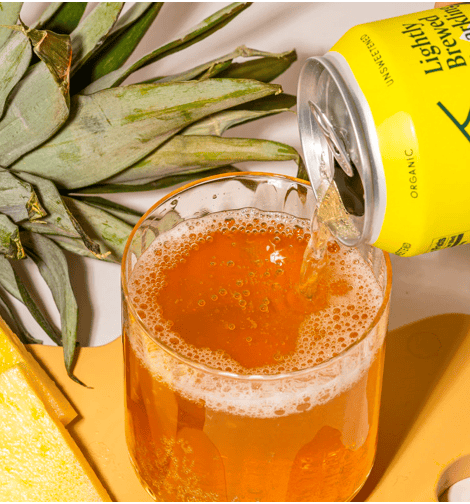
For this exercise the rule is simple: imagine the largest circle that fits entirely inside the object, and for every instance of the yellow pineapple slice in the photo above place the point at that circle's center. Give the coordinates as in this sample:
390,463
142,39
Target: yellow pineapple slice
12,352
39,460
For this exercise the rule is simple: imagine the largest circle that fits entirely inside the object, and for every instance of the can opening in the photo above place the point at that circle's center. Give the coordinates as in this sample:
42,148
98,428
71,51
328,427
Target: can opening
350,189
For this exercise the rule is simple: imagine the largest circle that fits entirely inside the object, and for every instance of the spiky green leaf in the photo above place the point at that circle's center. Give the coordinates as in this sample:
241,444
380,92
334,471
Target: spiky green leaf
35,112
18,199
128,18
75,246
163,183
114,129
62,18
7,278
53,267
197,33
124,42
217,124
36,312
15,56
92,32
8,281
267,103
9,13
106,229
14,321
302,171
54,50
124,38
122,212
216,66
186,154
214,70
10,243
264,69
192,73
59,220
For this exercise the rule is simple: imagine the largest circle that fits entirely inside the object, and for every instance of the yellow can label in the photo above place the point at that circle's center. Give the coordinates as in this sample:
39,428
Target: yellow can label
414,71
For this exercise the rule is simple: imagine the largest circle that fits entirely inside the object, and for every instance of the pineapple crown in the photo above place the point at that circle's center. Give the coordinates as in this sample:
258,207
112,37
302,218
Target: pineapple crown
70,129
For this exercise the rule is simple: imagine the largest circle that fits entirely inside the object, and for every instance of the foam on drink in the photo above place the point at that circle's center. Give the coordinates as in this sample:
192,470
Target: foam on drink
322,334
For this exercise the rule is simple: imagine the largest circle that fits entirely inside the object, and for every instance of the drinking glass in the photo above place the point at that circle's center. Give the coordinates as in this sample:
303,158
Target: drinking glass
198,433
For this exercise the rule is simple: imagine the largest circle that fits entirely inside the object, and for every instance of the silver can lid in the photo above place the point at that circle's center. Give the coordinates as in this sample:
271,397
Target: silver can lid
335,146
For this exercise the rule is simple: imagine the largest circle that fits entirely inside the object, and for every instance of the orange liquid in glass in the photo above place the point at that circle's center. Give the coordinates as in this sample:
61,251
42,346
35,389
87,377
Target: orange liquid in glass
225,294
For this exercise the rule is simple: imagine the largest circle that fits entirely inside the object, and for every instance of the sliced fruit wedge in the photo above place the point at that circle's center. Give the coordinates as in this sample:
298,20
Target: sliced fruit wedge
13,352
40,461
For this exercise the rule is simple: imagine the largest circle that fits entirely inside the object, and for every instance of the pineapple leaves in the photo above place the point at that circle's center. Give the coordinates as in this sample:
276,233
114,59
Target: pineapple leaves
106,229
302,171
55,151
122,41
264,69
269,103
129,18
161,183
12,283
7,278
39,103
14,61
9,13
9,282
188,153
14,321
123,44
59,220
218,65
92,32
54,50
208,26
52,265
113,129
217,124
37,314
75,246
62,18
10,243
37,108
18,199
122,212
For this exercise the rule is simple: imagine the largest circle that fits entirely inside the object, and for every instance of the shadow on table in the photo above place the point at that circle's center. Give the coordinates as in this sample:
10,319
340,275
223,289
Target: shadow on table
416,358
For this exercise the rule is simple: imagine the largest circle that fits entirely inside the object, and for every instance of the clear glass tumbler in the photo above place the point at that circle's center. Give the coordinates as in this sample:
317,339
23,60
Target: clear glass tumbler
200,434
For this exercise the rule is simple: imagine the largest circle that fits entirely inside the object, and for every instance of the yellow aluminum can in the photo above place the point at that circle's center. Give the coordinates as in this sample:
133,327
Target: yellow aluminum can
397,92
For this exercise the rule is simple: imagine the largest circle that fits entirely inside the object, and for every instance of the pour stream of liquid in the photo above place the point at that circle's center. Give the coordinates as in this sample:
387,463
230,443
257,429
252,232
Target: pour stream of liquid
315,256
329,214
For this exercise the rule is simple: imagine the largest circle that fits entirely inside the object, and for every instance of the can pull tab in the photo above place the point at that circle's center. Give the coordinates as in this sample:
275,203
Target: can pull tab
335,143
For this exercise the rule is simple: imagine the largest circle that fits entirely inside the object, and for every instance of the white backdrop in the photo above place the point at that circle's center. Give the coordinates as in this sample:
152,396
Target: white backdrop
423,286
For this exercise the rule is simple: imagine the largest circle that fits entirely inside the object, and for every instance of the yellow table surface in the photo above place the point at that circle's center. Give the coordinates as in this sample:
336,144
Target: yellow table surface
424,431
